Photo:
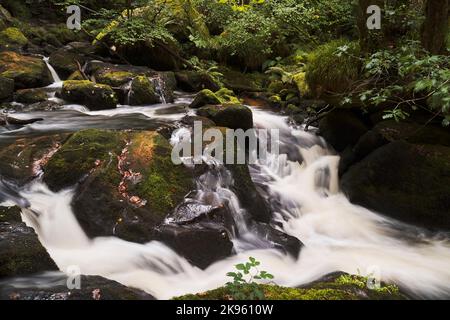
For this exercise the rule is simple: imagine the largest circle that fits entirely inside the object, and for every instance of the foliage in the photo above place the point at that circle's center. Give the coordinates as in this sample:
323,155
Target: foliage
406,77
246,273
330,72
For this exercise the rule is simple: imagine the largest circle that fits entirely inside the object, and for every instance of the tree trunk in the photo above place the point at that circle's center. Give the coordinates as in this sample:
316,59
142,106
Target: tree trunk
435,26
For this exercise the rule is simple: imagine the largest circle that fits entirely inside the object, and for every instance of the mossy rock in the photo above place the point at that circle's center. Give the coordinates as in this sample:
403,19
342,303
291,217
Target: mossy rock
108,203
234,116
78,156
30,95
143,92
6,88
65,59
12,38
331,287
194,81
22,160
114,78
92,95
203,98
328,73
408,182
21,253
76,76
27,72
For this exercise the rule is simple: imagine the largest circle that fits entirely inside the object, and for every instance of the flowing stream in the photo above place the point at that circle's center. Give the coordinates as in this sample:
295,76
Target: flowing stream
305,202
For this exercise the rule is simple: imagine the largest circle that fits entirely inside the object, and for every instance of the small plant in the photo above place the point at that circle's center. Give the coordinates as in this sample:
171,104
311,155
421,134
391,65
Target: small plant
243,287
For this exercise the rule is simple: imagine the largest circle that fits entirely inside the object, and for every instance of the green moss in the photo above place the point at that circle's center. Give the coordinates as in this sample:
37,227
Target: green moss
164,184
30,96
330,73
227,96
94,96
344,287
12,37
143,92
114,78
76,76
78,157
302,85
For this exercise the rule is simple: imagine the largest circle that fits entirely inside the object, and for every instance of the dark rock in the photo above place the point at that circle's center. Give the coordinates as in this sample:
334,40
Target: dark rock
92,95
21,253
30,95
194,81
65,59
143,92
6,88
342,128
408,182
54,287
230,115
200,245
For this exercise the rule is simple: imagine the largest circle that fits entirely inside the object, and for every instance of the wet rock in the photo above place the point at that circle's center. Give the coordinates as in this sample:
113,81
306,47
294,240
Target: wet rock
6,88
92,95
23,159
232,116
143,92
54,287
127,183
10,214
408,182
199,244
30,95
27,72
203,98
194,81
280,240
21,253
342,128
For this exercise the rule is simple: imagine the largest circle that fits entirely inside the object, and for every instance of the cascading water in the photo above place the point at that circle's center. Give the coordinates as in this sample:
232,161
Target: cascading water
159,87
305,201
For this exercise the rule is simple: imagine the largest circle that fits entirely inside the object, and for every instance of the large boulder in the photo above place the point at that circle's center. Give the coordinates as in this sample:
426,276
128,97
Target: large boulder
408,182
6,88
194,81
21,253
92,95
27,72
30,95
143,92
342,128
127,183
234,116
65,59
12,39
207,97
55,288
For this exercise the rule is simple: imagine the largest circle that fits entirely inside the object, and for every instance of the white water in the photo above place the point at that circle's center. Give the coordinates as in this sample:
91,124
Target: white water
57,82
337,235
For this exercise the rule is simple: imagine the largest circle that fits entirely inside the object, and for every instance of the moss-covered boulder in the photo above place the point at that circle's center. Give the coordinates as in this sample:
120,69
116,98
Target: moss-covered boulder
21,253
328,73
23,159
127,183
143,92
204,98
194,81
234,116
30,95
92,95
12,38
6,88
337,286
65,59
408,182
27,72
92,288
114,78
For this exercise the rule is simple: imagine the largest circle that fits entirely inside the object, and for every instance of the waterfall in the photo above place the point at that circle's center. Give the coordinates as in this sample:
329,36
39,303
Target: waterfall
55,77
338,235
158,82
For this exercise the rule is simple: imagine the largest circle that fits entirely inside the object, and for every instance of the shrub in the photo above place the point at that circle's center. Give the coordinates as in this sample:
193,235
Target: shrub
329,72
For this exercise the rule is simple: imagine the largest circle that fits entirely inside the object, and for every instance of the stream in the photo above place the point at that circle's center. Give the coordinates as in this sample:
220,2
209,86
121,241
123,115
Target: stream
305,202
